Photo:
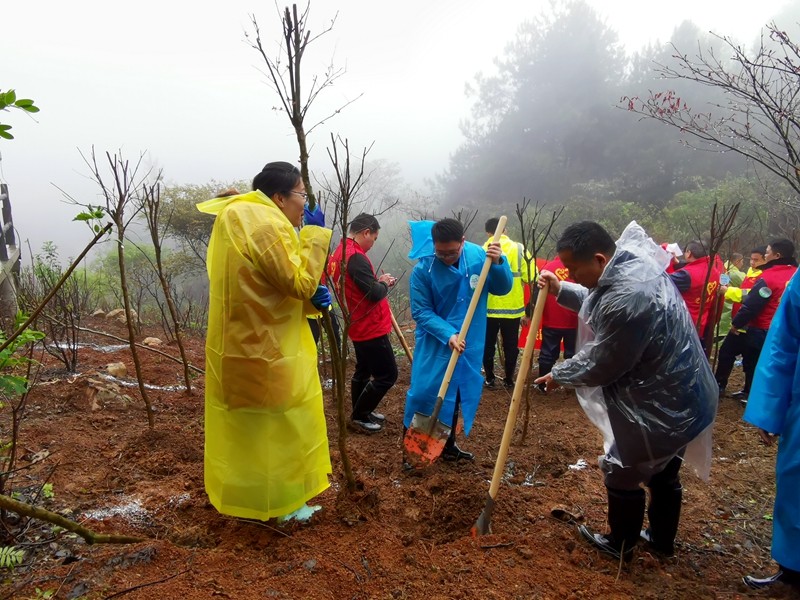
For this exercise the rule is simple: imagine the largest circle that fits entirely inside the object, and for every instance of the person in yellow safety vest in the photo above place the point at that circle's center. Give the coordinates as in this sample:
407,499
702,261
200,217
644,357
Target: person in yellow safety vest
735,345
505,312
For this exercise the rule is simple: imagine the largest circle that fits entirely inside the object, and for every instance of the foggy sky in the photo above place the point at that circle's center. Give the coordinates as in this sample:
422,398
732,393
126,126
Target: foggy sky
178,80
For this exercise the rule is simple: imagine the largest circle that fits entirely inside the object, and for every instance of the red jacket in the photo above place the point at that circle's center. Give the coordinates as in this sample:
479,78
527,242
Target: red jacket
556,316
370,315
697,270
761,303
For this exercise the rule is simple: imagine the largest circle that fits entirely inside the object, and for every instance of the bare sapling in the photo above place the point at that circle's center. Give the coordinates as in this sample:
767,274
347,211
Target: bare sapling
285,77
152,206
535,233
119,193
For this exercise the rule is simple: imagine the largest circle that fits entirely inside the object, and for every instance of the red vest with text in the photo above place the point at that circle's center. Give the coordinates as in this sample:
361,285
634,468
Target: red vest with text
697,270
776,279
556,316
368,319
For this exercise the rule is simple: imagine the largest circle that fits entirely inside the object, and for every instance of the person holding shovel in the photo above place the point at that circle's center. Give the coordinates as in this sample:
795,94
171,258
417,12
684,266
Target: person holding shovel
266,442
370,321
641,377
441,287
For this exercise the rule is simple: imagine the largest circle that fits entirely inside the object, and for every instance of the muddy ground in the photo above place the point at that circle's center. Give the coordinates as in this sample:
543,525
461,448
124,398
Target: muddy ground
400,536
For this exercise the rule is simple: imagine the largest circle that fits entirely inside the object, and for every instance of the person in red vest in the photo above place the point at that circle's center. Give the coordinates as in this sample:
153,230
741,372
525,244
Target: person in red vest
370,322
691,283
558,323
760,305
734,344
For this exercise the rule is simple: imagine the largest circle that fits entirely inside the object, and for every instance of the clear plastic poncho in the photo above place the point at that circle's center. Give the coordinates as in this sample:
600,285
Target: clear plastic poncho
641,375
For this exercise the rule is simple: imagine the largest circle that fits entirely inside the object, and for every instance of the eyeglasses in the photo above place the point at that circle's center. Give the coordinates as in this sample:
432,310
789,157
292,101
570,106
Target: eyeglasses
448,255
303,194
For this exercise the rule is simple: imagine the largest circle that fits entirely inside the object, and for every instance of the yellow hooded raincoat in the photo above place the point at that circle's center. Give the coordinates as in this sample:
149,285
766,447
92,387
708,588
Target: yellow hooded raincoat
266,445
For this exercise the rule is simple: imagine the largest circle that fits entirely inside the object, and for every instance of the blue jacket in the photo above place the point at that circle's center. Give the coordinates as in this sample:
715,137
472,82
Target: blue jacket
774,406
440,295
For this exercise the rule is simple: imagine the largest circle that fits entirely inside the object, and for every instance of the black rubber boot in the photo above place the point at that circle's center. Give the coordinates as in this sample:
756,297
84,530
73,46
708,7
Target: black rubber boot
664,514
625,518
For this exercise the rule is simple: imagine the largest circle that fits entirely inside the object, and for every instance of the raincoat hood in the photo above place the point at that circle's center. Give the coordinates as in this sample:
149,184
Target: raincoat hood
638,258
215,205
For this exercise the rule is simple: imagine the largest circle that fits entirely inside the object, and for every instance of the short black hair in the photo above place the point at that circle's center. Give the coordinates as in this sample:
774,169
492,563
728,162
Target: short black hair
585,239
447,230
762,250
697,248
364,221
783,247
491,225
276,177
736,256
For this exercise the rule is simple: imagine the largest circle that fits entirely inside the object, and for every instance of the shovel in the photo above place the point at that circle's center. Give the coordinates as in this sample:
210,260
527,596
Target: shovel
483,524
425,439
403,342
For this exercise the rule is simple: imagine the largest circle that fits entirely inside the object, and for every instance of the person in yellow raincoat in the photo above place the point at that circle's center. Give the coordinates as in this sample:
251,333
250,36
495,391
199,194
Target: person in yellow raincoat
266,443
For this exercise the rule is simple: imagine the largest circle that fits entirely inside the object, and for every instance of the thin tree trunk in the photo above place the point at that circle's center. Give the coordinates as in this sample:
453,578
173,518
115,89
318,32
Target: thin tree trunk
339,382
131,333
175,319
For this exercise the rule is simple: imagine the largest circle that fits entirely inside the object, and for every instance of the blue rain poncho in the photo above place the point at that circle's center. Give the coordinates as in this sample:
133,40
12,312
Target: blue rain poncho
640,373
774,406
440,295
266,443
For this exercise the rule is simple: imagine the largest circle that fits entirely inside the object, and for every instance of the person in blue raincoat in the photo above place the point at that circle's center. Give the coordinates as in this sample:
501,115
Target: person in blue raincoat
442,284
774,407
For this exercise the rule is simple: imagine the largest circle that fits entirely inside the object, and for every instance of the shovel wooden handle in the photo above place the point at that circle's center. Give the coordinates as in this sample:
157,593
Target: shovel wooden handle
403,342
519,388
473,303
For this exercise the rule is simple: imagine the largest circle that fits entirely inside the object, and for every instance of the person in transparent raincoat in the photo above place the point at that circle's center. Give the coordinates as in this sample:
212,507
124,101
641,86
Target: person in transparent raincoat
641,377
266,444
774,407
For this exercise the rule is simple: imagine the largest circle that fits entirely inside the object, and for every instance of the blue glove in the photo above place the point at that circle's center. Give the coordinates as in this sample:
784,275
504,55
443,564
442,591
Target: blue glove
315,217
321,298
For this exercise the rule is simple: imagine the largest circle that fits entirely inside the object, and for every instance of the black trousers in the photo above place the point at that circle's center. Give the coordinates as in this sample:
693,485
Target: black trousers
374,375
551,347
732,346
509,330
752,350
314,324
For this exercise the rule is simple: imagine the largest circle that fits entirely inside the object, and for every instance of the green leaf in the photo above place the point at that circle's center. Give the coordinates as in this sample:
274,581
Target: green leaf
83,217
10,96
10,557
23,102
30,109
4,134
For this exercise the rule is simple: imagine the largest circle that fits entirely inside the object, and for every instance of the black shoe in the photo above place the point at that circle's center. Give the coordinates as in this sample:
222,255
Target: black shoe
647,536
365,426
605,545
781,576
490,384
542,388
740,395
377,417
509,385
454,453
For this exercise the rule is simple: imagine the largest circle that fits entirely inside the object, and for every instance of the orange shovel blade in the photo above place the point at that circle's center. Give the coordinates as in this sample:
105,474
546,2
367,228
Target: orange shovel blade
422,446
